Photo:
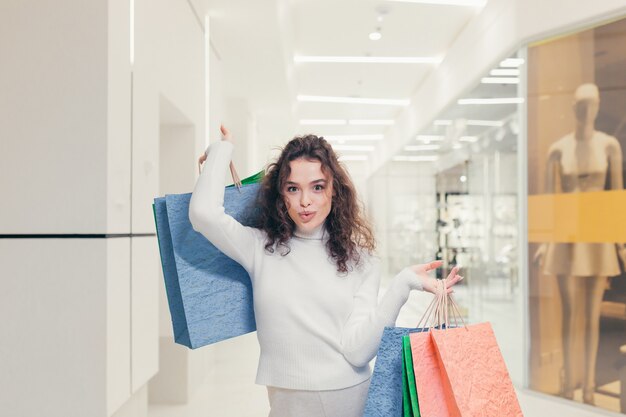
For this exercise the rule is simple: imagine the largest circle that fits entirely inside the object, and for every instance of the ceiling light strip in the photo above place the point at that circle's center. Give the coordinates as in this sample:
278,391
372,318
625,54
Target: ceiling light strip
489,123
353,137
353,158
499,80
465,3
329,122
470,139
418,158
353,100
506,100
494,123
504,72
430,138
512,62
419,148
363,148
368,59
370,122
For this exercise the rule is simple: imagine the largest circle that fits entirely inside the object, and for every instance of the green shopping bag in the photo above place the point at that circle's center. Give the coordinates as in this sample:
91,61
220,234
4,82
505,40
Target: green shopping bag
409,390
406,397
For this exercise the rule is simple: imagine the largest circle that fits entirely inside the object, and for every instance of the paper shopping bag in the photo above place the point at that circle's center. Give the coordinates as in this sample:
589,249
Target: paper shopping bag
384,398
409,391
428,379
475,372
209,294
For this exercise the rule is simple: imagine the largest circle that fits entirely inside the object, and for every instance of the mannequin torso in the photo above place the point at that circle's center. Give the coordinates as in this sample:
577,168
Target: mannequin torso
583,164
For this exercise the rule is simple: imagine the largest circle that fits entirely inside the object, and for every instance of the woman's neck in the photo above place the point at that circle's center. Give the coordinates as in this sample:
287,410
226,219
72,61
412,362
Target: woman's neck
314,234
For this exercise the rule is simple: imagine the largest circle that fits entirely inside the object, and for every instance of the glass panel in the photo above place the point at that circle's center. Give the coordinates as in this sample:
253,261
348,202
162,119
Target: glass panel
452,193
576,221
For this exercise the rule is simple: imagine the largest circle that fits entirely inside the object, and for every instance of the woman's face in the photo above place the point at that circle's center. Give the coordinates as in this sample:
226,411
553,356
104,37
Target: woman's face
308,194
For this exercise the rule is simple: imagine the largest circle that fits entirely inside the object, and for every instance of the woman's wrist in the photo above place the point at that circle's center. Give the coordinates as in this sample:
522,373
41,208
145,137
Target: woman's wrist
407,280
206,152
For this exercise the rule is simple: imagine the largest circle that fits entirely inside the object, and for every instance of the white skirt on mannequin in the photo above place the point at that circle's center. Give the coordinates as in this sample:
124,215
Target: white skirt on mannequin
582,259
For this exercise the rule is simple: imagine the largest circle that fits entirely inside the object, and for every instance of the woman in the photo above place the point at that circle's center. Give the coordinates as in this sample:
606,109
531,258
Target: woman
314,277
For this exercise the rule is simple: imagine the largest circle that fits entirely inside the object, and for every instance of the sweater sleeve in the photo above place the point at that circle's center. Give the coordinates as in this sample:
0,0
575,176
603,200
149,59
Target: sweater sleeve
206,209
364,328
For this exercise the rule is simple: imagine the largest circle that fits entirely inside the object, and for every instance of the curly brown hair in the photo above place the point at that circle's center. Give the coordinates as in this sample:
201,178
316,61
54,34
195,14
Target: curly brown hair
349,231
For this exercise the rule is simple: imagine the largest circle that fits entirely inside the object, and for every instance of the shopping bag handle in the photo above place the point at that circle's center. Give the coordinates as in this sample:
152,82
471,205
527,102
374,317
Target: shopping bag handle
433,312
437,313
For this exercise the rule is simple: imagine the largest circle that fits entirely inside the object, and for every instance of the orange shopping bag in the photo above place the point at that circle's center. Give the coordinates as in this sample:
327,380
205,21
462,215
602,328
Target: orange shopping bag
431,392
474,370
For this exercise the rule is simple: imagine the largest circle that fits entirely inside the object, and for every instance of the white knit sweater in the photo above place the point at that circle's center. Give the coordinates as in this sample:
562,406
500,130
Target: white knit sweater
317,329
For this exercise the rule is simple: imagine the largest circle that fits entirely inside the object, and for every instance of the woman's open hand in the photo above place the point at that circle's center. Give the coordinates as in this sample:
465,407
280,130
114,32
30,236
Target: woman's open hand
429,283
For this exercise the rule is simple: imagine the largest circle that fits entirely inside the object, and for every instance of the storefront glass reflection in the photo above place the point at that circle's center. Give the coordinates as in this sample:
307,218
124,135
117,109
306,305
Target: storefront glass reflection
452,194
576,136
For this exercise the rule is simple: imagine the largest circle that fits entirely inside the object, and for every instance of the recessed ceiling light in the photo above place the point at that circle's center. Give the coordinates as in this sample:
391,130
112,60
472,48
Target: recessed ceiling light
506,100
354,100
319,122
353,158
365,148
369,59
503,72
499,80
466,3
419,158
512,62
373,122
421,148
463,178
353,137
376,35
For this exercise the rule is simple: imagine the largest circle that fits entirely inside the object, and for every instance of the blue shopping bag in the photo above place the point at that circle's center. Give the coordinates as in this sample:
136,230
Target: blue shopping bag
209,294
384,398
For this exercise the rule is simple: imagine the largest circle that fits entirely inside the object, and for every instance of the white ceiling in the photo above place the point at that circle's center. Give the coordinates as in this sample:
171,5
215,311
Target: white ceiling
257,41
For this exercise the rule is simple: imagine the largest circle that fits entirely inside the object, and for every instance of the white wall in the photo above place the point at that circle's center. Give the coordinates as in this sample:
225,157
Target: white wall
79,155
54,353
54,98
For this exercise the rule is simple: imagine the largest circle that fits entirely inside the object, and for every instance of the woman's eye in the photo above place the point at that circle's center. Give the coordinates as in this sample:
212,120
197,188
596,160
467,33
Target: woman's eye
318,187
291,189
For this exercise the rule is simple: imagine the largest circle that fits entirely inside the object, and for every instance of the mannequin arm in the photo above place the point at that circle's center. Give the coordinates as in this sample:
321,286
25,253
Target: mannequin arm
552,171
614,152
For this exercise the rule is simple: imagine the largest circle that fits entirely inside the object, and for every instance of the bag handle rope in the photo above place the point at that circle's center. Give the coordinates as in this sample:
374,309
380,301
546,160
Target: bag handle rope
438,311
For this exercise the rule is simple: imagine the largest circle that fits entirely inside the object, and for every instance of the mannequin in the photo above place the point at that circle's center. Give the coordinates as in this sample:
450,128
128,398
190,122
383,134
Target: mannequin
580,162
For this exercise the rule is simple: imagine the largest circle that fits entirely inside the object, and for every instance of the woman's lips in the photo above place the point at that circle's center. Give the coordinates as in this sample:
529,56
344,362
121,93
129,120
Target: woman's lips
306,215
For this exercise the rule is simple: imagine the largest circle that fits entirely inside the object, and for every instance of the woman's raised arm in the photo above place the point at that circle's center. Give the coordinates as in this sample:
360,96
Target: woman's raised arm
206,208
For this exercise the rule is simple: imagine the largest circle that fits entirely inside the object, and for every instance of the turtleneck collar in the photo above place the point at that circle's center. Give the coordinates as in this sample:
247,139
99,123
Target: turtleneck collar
315,234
